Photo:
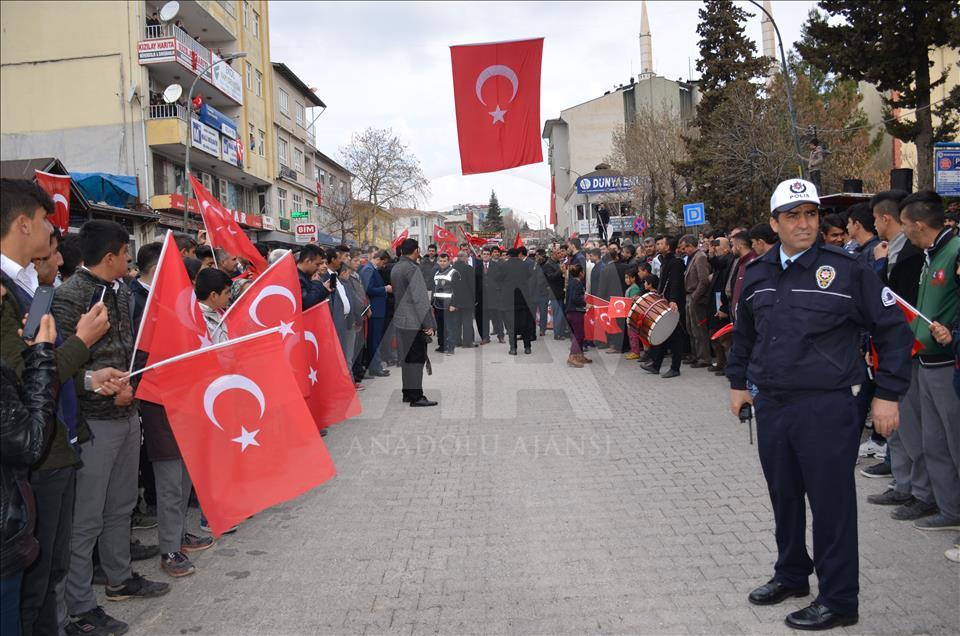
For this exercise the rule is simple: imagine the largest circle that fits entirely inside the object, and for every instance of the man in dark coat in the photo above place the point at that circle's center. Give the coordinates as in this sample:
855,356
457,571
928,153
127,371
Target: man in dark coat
468,292
672,290
553,273
377,293
514,279
413,320
489,301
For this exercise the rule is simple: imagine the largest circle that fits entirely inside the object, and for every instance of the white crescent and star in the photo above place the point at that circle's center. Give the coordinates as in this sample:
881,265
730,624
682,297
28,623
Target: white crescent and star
226,383
497,70
619,305
273,290
312,339
62,200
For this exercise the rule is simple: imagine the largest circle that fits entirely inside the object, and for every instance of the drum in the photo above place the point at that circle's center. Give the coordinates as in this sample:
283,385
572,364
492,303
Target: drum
652,318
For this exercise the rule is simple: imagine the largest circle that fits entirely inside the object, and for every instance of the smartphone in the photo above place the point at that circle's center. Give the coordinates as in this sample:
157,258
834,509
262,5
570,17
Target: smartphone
42,301
99,291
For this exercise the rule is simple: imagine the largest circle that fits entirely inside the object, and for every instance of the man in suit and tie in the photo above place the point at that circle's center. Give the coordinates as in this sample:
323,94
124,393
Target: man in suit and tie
488,298
377,293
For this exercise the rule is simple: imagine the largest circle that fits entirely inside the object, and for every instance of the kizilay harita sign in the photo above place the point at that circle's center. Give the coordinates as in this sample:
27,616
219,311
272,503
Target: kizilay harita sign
597,185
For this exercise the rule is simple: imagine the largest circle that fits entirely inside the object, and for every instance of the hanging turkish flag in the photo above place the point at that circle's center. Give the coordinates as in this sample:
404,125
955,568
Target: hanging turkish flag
620,306
333,395
58,187
319,193
441,235
274,300
172,323
553,201
239,151
400,239
243,429
496,88
517,242
223,230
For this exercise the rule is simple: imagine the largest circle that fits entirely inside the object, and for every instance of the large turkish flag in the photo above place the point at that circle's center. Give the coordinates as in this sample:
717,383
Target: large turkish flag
172,323
496,88
58,187
274,300
333,396
223,231
243,429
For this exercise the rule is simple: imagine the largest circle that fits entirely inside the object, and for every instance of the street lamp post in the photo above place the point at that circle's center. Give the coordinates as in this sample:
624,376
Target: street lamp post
786,83
187,185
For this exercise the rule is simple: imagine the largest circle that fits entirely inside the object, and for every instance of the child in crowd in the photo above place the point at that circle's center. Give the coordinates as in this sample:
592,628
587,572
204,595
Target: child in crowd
574,308
213,293
650,283
631,278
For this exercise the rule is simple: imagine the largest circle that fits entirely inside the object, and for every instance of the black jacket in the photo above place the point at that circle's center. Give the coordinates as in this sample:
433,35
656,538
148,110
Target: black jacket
671,279
26,423
488,290
513,276
904,278
554,276
312,292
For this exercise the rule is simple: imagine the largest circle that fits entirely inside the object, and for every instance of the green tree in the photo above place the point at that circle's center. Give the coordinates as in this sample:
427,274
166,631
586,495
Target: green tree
493,221
888,44
727,59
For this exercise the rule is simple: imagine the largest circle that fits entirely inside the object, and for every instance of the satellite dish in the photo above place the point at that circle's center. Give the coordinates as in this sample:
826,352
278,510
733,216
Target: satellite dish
169,11
172,93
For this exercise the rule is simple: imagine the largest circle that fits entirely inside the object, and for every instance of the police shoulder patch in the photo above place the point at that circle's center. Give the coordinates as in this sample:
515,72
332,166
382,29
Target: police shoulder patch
825,276
887,297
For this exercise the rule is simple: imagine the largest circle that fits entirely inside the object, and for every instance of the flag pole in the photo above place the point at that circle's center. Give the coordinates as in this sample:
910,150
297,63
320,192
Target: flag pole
910,307
227,312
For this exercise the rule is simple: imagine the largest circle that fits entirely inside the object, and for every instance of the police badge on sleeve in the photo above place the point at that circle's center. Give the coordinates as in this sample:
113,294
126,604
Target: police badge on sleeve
825,276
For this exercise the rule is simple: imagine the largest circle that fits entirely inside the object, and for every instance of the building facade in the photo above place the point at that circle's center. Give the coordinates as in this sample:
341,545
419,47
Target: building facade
418,224
335,203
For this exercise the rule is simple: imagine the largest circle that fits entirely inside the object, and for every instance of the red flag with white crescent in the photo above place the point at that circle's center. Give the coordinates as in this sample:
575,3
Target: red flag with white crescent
58,187
592,328
274,300
517,242
496,90
441,235
595,301
620,306
223,230
333,395
476,241
243,429
400,239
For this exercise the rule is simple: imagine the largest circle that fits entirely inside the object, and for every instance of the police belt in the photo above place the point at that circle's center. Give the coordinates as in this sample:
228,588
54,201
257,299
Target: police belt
789,396
442,295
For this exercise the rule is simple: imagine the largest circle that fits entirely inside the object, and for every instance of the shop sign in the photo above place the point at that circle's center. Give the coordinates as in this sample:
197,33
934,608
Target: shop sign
230,154
305,232
268,223
597,185
176,202
205,138
218,121
227,79
153,51
198,63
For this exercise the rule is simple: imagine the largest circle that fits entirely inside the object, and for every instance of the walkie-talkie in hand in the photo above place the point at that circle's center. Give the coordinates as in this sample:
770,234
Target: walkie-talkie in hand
746,415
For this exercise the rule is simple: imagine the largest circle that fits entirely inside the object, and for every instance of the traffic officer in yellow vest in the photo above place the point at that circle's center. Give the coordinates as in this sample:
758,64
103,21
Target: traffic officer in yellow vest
797,338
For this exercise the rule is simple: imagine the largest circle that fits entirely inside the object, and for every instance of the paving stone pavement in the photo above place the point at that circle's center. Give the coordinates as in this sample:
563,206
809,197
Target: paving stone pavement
538,499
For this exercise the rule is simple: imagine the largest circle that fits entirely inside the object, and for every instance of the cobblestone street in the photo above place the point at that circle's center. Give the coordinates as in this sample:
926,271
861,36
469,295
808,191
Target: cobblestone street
537,499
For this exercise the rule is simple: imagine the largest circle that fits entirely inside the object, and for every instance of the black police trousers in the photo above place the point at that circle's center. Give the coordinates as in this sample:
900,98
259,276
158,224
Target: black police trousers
808,446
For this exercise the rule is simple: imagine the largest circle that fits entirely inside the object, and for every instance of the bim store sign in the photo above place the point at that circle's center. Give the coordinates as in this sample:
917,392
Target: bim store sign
599,185
204,138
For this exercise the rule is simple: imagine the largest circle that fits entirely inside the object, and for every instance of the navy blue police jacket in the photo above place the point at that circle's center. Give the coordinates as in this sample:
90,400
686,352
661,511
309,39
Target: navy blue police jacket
799,329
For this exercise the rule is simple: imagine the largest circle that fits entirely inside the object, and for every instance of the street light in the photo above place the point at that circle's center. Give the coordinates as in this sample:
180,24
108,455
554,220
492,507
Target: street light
786,82
172,92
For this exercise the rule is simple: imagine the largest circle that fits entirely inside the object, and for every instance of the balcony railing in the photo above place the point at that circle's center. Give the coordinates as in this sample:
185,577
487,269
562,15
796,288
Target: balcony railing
167,111
160,31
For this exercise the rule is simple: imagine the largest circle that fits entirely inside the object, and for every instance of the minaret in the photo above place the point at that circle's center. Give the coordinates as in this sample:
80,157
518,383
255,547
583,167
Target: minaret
769,39
646,45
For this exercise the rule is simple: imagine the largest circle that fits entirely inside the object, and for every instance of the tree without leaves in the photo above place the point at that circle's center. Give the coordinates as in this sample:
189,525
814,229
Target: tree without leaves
385,172
888,45
341,219
493,222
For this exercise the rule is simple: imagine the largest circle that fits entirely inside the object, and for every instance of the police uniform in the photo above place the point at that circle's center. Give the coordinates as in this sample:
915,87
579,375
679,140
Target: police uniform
797,337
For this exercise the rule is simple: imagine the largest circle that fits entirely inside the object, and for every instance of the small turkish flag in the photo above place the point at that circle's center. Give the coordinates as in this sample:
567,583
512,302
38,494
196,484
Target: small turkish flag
172,323
400,239
592,329
607,322
595,301
517,242
620,306
476,241
223,230
274,300
243,429
496,88
333,395
58,187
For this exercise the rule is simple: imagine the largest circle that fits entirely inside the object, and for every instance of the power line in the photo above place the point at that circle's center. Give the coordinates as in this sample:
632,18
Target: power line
882,122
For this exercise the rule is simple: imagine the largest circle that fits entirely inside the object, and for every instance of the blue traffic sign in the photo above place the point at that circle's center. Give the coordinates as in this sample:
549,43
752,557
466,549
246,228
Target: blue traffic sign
694,214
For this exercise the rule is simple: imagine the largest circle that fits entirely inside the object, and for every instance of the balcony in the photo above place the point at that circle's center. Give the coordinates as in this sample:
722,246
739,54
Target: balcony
170,50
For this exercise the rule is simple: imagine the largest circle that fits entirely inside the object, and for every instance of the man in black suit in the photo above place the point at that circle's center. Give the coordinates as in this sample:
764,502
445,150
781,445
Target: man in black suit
468,280
488,298
514,279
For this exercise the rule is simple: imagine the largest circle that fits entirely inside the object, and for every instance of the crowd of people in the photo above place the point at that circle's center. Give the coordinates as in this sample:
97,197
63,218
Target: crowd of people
67,523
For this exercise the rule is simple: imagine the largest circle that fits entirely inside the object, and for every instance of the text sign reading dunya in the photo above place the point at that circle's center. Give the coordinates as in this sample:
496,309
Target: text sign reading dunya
598,185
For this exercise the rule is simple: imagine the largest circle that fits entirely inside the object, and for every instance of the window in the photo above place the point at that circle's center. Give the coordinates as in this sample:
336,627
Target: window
207,181
262,146
246,14
319,174
259,84
253,139
299,113
281,202
414,222
262,200
284,102
298,159
222,190
249,76
256,23
282,150
297,202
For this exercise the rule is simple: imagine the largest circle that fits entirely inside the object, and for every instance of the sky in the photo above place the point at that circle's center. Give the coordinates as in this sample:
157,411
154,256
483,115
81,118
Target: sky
387,65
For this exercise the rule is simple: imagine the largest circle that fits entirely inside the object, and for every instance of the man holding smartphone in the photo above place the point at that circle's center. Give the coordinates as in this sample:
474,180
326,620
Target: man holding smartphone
24,238
107,480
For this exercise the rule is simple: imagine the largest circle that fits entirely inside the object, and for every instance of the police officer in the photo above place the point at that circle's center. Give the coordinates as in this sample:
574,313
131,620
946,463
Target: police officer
796,338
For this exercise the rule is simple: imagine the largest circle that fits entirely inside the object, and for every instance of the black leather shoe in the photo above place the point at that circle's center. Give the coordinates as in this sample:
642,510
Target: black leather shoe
527,350
423,402
378,374
650,368
773,592
816,617
672,373
500,339
406,399
512,352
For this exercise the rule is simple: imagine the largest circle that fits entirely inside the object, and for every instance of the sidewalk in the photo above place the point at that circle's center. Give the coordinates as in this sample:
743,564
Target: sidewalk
538,499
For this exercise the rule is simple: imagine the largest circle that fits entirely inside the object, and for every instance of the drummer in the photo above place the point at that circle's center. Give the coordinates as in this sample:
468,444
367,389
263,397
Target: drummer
796,337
